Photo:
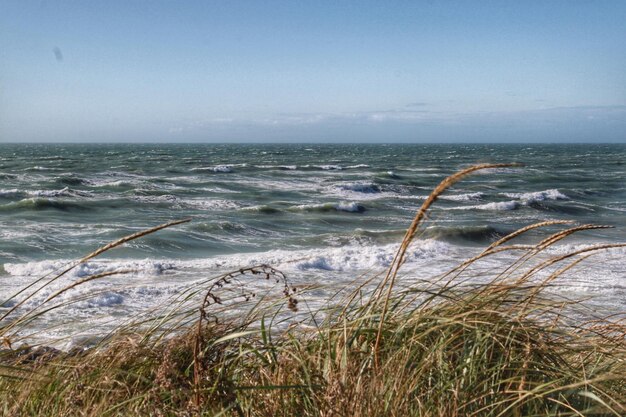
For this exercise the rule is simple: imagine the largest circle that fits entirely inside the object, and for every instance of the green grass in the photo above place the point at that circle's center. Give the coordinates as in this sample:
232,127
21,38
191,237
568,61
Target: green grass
443,347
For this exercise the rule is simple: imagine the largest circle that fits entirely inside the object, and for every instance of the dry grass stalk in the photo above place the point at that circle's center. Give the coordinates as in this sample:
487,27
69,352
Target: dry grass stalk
389,280
526,276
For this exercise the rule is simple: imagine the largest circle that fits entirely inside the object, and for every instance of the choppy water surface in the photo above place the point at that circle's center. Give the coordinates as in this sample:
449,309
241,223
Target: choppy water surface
321,213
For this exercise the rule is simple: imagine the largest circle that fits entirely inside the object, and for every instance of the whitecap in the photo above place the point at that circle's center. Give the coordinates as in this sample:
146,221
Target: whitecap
463,197
349,206
13,192
329,167
282,167
205,204
64,192
109,183
552,194
41,268
216,168
496,206
223,168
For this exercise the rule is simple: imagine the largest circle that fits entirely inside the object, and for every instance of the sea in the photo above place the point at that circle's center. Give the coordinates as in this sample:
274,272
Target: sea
327,215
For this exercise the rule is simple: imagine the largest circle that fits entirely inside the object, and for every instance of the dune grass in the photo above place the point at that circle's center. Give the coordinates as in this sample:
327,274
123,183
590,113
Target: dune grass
445,346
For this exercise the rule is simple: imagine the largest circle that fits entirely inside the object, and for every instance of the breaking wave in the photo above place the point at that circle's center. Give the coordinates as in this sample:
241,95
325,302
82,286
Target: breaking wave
347,206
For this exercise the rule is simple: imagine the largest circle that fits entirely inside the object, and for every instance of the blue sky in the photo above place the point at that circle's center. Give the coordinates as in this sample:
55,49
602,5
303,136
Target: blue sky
337,71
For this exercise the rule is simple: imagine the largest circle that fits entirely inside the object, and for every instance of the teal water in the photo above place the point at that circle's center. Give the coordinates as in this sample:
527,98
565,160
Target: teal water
320,212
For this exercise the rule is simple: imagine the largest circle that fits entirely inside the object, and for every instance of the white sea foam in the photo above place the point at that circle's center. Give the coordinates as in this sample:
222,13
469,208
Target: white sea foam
284,167
566,248
496,206
223,168
41,168
115,183
64,192
329,167
106,299
353,257
226,168
13,192
492,171
208,204
552,194
156,280
420,169
41,268
522,199
156,199
195,203
348,206
463,197
219,190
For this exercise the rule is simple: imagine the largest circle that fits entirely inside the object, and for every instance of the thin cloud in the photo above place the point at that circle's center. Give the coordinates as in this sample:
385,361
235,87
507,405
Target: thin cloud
409,117
418,104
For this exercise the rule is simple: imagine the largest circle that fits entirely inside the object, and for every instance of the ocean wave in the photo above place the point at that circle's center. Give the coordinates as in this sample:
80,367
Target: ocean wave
552,194
42,168
344,258
412,169
13,192
335,167
360,187
65,192
566,248
496,206
509,170
41,203
113,183
157,199
205,204
351,257
279,167
194,203
226,168
329,167
529,199
463,197
70,180
347,206
154,281
7,176
474,234
324,167
263,208
613,208
41,268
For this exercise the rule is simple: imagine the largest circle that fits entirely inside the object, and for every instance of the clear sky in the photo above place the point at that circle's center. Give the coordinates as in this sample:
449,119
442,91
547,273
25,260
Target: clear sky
303,71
